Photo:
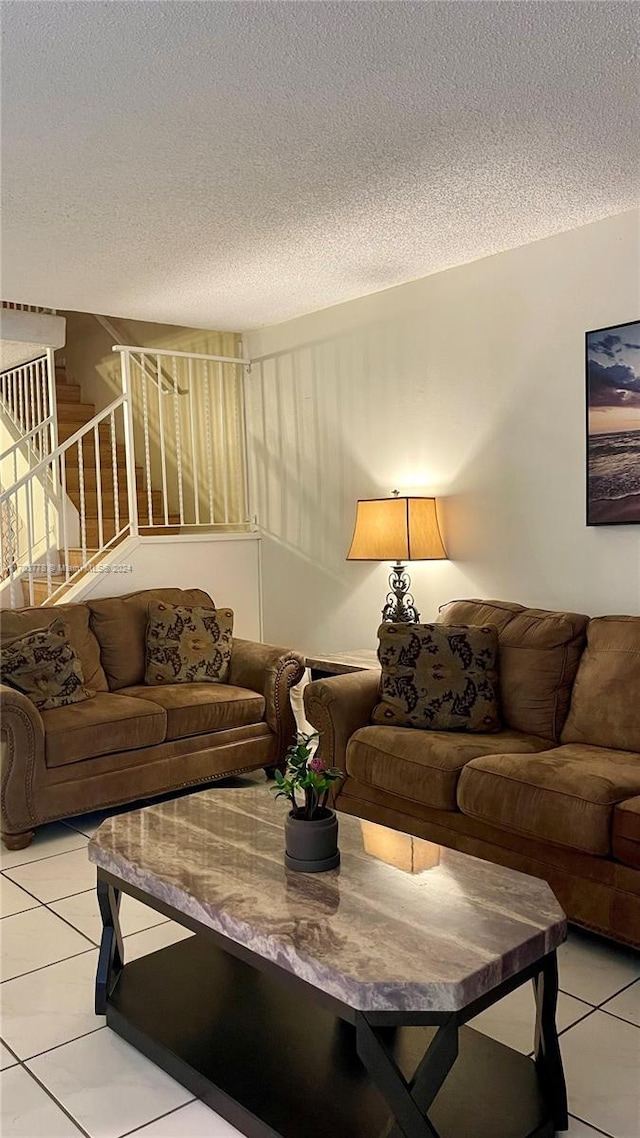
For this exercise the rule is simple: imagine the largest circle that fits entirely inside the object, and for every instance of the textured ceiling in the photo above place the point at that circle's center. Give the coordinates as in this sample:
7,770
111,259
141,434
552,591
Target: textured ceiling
235,164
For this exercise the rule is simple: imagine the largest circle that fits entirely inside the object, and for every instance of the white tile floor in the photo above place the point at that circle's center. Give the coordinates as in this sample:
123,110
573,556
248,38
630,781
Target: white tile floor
64,1073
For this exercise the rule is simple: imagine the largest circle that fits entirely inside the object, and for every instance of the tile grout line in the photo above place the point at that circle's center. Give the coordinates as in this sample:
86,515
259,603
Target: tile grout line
21,1063
45,857
605,1133
47,905
167,1114
10,1049
619,992
51,964
57,1046
581,998
620,1019
54,901
51,901
576,1022
74,955
597,1007
93,947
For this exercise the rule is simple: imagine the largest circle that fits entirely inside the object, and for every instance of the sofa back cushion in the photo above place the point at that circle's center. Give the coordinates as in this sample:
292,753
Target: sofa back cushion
75,617
605,705
120,626
539,653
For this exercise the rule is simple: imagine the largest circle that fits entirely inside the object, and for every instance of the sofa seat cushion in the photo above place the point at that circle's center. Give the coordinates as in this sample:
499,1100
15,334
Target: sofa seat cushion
566,795
196,709
626,832
425,765
100,726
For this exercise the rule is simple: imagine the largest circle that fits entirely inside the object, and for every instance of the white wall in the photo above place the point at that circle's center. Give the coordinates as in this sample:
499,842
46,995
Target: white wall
25,335
228,568
468,384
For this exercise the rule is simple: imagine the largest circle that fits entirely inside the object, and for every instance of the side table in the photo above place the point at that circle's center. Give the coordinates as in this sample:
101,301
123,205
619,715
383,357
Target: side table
326,664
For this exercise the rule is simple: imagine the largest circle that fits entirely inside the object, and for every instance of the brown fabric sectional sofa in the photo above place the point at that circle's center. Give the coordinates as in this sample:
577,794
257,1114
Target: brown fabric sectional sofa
130,741
555,793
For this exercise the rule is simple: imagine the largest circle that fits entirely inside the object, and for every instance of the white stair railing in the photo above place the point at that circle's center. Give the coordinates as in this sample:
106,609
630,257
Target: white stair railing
28,403
187,423
78,498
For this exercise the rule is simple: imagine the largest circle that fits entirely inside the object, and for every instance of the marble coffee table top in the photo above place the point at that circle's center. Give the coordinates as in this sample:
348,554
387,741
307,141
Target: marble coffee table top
405,926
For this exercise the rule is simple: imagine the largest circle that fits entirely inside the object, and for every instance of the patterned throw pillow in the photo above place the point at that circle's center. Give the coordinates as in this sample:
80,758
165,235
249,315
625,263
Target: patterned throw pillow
43,665
188,645
438,677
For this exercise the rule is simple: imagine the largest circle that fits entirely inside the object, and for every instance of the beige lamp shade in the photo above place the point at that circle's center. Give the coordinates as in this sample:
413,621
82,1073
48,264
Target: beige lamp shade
396,529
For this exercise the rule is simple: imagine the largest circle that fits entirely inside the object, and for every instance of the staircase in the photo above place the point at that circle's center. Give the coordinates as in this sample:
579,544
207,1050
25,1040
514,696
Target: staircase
72,415
173,436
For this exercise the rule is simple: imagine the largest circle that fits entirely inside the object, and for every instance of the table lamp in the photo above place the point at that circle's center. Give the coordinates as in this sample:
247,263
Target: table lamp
397,529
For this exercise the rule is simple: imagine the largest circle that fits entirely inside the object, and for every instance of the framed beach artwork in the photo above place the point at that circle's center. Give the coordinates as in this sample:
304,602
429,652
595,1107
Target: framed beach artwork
613,425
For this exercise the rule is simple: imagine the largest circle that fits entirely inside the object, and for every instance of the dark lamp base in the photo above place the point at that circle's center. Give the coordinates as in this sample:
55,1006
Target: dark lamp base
400,607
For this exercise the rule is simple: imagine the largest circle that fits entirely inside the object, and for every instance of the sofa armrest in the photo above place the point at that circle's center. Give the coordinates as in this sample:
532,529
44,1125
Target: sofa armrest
339,706
22,754
272,672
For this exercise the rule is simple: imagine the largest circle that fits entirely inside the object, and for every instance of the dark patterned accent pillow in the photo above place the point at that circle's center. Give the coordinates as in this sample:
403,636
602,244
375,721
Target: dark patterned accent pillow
43,665
438,677
187,645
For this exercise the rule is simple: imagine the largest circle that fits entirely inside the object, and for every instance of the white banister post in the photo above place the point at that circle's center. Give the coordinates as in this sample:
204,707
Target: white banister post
129,443
53,402
52,415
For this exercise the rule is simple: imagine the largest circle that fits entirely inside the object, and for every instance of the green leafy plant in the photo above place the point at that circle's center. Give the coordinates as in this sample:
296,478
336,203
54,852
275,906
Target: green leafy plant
305,772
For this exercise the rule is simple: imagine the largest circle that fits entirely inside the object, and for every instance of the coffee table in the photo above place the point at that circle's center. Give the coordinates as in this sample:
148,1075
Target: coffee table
329,1004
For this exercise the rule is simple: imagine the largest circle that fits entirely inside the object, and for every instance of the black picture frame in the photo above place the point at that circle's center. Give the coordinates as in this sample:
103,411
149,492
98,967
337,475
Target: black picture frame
612,399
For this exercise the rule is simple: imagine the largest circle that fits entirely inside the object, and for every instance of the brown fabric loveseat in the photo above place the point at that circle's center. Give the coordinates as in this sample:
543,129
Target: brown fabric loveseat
555,793
130,741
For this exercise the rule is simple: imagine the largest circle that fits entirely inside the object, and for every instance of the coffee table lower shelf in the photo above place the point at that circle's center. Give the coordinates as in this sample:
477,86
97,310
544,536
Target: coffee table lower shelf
277,1064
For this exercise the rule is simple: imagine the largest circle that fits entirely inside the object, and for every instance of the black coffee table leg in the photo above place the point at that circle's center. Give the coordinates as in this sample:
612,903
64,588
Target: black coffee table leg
111,958
408,1100
547,1048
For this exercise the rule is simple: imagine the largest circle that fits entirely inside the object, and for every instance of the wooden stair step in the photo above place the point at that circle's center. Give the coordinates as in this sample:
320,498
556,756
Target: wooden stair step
75,558
68,427
68,393
88,450
109,528
91,478
161,531
108,500
41,589
76,412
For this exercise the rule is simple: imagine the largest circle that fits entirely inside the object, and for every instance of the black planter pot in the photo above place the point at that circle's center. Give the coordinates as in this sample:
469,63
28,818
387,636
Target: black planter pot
311,846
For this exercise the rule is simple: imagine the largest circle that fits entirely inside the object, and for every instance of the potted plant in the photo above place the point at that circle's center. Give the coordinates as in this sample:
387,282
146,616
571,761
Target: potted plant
311,827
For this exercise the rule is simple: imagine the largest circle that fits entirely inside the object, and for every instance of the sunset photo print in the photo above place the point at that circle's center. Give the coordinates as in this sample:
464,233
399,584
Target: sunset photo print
613,425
